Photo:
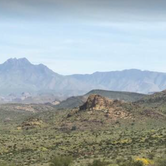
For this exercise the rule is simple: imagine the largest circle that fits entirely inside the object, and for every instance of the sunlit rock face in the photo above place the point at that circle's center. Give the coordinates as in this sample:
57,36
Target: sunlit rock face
96,102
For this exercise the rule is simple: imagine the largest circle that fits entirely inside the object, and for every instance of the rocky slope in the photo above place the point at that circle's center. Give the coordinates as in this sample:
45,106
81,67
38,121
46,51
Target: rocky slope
156,101
77,101
97,102
100,112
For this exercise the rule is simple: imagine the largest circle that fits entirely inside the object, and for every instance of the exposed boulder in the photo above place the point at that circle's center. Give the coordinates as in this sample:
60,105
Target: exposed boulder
97,102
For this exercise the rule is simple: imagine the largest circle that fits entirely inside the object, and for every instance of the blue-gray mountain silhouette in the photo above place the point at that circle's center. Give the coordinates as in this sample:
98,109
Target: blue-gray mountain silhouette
19,75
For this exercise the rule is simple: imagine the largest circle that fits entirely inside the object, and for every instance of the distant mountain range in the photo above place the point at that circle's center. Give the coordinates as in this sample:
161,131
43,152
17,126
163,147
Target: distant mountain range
19,75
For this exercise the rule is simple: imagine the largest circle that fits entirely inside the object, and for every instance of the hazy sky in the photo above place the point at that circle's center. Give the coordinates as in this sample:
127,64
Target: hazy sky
84,36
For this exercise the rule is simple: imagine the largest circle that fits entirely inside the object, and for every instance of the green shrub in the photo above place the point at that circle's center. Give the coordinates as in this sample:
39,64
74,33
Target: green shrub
161,162
131,163
6,164
98,163
61,161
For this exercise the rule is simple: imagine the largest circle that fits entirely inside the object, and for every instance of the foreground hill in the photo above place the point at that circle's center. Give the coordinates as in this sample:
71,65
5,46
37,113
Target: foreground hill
73,102
100,128
19,75
156,101
99,112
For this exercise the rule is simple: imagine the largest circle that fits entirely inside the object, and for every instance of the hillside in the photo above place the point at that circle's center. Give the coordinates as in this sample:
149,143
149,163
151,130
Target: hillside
156,101
116,95
99,112
73,102
100,129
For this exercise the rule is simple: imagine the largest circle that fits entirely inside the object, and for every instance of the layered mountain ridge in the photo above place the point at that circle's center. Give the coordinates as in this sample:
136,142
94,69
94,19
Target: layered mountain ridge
19,75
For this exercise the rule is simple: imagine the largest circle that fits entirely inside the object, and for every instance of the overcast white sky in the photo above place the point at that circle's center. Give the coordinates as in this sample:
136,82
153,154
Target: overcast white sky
75,36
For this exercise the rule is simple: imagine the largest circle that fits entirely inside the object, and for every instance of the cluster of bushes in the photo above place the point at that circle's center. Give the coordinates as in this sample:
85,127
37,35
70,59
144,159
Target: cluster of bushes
61,161
68,161
6,164
161,162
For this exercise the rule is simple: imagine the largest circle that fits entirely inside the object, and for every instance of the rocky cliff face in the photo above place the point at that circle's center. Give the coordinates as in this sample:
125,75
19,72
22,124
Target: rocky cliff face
96,102
99,112
111,108
96,112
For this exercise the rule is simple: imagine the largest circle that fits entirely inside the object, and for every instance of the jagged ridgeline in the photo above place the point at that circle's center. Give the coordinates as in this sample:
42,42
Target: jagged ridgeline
19,75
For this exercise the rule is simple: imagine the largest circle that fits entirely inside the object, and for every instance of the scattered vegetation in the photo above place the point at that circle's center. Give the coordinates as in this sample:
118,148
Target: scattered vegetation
98,163
61,161
91,137
161,162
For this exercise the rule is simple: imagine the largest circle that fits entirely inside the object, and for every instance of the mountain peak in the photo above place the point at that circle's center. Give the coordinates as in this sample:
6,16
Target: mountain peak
17,61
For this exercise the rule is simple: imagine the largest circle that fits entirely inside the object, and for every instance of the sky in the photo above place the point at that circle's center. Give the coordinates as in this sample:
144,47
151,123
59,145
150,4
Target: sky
75,36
